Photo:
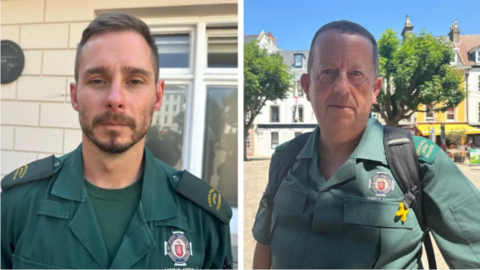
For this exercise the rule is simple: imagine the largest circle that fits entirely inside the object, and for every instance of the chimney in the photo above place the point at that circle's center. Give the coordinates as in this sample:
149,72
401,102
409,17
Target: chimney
407,29
454,33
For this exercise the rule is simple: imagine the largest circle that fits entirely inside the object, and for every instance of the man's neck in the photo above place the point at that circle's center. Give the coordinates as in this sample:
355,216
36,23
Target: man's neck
333,153
112,171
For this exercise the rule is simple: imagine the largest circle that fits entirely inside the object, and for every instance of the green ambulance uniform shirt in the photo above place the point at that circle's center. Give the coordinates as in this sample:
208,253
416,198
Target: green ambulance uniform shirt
49,221
350,220
114,209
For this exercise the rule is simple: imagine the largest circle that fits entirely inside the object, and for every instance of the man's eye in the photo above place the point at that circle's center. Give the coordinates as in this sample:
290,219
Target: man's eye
135,82
96,82
327,71
357,73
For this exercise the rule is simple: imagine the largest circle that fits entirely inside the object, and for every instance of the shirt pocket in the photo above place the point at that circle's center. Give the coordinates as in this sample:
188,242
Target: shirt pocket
467,215
287,219
375,213
371,230
21,263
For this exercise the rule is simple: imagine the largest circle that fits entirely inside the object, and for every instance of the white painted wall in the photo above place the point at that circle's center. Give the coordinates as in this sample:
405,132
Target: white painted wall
473,96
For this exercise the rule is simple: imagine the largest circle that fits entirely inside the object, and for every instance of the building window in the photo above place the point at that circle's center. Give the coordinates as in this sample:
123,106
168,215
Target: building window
299,89
478,57
274,140
298,133
479,112
298,114
430,115
274,114
174,108
478,83
298,61
173,50
222,52
165,136
450,114
248,141
166,108
220,154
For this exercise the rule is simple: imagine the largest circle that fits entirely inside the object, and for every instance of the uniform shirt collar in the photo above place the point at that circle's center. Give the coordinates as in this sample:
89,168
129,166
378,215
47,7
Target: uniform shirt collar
370,146
157,192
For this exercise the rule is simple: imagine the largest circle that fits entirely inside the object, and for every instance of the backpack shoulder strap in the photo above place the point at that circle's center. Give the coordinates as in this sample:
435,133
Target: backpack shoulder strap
403,162
287,155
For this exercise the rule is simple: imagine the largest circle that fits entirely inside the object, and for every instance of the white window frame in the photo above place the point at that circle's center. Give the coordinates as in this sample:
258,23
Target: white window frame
479,112
179,30
478,57
271,139
454,115
187,122
295,61
478,82
429,119
220,33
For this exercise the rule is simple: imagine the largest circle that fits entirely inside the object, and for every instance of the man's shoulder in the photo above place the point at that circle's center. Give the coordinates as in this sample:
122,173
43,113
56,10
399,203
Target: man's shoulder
298,141
42,169
425,149
194,191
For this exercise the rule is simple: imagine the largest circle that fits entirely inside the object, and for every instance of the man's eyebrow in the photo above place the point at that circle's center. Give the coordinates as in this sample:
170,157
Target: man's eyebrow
135,70
96,70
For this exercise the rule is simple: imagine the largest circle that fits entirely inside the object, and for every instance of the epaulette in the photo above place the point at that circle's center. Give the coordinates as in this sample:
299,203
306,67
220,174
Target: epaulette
36,170
426,149
281,146
202,194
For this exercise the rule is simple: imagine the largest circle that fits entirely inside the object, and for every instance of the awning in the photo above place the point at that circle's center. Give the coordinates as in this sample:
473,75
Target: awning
425,129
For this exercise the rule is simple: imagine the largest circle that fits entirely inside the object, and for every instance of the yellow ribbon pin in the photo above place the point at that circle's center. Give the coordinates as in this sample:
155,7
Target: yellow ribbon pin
402,212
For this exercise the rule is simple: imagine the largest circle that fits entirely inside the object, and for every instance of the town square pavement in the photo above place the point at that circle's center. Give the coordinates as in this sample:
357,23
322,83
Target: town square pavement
255,180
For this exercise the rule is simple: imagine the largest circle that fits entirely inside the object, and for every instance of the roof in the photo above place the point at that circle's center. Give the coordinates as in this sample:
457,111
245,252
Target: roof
466,44
288,56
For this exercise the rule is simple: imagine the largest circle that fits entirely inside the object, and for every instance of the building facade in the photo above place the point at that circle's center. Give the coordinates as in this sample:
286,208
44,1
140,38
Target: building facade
281,120
465,116
195,129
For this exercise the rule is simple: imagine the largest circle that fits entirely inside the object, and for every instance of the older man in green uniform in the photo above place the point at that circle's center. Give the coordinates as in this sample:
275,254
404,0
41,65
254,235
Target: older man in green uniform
111,203
337,206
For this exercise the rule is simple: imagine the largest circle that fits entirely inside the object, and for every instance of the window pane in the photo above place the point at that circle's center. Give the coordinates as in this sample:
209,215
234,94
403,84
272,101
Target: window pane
274,139
274,114
165,138
173,50
300,113
220,152
222,52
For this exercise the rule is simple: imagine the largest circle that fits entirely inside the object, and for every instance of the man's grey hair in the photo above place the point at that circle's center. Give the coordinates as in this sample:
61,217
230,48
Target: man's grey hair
117,22
346,27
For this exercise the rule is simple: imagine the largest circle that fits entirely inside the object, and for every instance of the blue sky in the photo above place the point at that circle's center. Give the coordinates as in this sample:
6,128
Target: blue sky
294,23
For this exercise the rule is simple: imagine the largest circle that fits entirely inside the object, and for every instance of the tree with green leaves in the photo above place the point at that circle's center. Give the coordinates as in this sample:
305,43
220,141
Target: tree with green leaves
266,77
416,71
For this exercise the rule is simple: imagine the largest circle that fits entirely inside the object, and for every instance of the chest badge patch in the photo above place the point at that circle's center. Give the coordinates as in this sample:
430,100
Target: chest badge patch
381,184
178,249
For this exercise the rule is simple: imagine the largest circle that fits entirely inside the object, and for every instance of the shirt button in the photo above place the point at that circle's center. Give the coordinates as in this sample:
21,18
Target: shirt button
56,164
175,178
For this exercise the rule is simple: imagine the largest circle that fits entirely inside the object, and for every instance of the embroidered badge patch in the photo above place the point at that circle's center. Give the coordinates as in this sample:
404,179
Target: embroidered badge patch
381,184
178,249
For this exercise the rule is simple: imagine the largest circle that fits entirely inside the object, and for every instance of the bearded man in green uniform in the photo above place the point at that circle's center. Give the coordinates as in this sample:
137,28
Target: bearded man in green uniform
110,203
338,205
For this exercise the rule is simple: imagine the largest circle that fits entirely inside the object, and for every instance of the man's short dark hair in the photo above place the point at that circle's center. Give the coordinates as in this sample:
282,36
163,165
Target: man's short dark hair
117,22
349,27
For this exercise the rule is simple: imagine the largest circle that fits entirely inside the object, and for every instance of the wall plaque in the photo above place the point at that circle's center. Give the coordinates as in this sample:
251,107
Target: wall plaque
13,61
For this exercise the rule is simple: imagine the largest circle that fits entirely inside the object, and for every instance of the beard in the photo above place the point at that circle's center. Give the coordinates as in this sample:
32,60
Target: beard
111,145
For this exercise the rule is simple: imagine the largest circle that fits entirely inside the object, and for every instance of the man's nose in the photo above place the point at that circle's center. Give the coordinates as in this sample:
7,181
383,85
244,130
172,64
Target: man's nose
116,97
341,85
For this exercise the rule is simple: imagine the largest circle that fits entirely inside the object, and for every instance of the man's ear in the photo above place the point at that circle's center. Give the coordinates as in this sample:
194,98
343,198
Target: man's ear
305,82
377,87
73,96
160,89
